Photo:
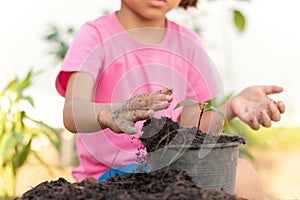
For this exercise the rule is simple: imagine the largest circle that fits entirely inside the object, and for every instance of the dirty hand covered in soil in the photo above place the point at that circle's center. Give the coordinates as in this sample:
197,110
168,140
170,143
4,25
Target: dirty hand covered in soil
122,117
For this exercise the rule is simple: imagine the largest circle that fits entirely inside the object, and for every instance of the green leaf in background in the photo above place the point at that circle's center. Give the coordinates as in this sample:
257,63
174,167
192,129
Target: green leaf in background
26,81
222,117
46,130
52,34
29,99
217,102
56,37
239,20
7,144
71,30
21,156
185,102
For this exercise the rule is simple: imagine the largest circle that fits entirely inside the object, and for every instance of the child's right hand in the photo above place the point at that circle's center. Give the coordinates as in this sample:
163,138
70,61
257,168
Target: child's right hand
121,118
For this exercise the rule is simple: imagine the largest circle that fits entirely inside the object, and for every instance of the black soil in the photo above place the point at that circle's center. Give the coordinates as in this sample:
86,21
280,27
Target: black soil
163,184
157,133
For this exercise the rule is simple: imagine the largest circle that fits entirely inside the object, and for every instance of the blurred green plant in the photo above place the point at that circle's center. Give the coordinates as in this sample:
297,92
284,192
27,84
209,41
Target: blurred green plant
190,17
59,40
275,138
18,131
239,19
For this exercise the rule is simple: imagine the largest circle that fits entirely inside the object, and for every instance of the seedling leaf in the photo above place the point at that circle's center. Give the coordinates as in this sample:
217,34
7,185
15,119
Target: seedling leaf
185,102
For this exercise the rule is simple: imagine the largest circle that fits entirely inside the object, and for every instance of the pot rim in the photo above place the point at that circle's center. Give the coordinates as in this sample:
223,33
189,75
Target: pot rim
206,146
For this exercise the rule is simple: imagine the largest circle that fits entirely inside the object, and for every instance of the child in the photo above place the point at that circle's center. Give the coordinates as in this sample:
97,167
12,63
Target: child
117,73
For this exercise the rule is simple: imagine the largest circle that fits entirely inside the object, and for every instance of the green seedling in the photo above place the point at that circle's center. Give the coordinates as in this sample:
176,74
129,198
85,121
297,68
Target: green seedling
204,107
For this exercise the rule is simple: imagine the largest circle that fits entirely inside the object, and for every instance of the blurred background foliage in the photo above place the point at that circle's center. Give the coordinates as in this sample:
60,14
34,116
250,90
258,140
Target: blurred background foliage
59,41
19,132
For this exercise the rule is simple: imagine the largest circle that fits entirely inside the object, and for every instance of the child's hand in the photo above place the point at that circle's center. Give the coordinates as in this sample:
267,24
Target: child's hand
254,107
121,118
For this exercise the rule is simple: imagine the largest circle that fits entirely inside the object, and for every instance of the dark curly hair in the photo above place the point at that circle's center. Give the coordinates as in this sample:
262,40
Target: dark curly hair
188,3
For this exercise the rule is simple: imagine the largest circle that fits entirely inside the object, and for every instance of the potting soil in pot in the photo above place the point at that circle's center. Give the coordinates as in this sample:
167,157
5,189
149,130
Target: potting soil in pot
157,133
211,160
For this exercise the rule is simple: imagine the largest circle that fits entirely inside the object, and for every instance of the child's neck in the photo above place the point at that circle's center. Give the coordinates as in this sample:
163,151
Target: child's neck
130,21
147,31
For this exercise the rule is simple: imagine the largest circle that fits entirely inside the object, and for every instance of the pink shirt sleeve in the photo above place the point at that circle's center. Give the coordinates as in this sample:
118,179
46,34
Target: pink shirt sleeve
78,56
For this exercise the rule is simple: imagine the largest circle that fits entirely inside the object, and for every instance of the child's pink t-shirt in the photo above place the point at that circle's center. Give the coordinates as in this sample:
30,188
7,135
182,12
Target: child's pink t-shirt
123,66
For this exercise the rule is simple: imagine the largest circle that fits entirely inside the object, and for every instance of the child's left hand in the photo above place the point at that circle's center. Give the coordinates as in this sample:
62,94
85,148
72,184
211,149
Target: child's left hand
255,108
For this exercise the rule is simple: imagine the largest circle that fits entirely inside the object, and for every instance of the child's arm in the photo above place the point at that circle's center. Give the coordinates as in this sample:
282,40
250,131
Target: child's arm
80,114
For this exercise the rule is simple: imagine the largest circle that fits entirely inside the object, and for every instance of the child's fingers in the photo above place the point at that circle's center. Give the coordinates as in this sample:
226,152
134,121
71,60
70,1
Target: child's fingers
137,115
253,123
143,98
157,97
148,105
272,89
122,125
126,124
265,119
155,101
274,112
129,129
166,91
281,106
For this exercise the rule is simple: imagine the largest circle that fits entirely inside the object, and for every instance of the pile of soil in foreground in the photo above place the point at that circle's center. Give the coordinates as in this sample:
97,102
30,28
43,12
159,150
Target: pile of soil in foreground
157,133
166,183
162,184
